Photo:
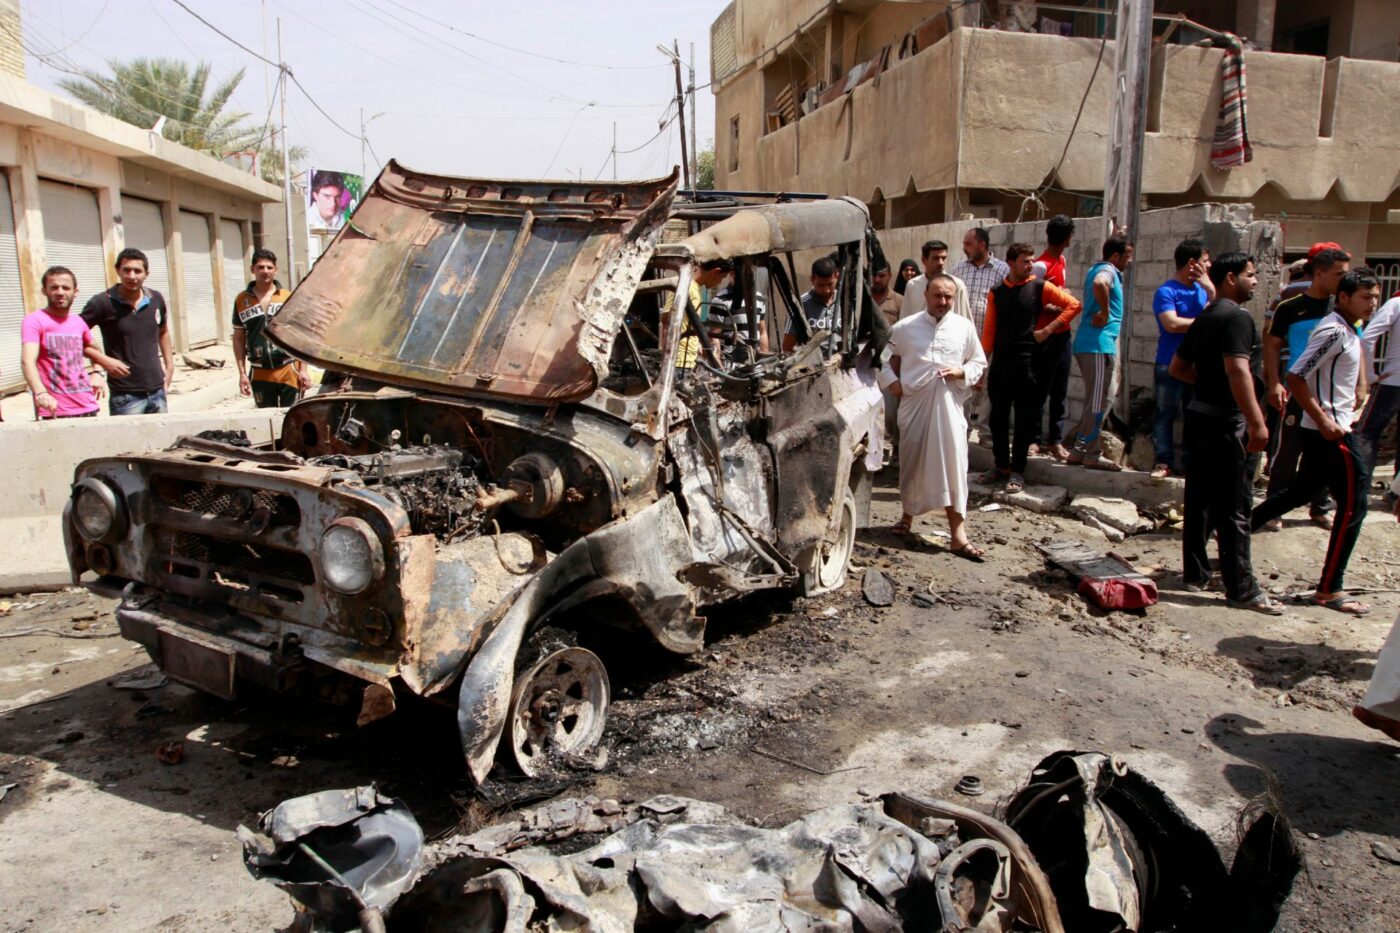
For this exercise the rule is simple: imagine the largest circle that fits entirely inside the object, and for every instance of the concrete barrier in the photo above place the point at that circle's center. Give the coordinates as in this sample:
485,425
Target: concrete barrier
37,462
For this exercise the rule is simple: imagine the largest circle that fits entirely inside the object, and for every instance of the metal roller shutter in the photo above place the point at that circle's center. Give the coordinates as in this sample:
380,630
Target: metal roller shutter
145,230
73,235
201,315
236,274
12,308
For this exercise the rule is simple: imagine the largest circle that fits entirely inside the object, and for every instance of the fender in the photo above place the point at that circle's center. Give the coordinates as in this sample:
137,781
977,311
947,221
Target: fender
636,558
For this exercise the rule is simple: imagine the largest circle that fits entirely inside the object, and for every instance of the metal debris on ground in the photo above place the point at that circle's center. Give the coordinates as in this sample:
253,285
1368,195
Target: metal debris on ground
148,677
343,854
1087,844
970,786
171,752
877,588
1106,580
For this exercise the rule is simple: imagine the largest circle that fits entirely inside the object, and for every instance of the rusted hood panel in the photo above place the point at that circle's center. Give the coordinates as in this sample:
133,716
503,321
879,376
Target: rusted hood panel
513,289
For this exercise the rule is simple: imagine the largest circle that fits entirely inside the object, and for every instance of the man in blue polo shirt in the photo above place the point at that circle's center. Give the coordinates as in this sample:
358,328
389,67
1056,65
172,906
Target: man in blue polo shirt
135,326
1096,350
1176,304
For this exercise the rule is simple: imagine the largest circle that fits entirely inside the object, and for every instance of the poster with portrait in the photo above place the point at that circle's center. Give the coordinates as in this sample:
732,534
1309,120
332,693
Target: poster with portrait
331,198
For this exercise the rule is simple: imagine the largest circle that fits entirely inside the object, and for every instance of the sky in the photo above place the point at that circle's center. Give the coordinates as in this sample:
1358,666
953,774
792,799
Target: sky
451,100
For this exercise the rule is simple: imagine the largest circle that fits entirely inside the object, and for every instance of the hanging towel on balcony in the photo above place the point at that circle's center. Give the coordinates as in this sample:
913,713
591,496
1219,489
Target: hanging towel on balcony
1230,147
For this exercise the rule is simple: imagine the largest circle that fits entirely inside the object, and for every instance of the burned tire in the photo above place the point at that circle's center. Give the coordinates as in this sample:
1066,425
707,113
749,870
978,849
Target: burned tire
833,558
558,709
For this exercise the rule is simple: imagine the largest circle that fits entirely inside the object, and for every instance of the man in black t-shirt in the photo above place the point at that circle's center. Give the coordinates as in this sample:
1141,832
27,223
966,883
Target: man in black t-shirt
135,325
1220,357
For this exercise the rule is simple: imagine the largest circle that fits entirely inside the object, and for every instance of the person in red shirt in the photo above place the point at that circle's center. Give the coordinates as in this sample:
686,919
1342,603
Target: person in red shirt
1023,313
1052,360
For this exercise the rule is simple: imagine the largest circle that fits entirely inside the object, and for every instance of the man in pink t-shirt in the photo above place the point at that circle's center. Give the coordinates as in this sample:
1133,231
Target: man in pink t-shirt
56,347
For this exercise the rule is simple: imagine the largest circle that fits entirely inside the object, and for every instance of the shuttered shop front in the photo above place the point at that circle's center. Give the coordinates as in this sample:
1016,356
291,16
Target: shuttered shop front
201,314
145,230
236,274
12,308
73,235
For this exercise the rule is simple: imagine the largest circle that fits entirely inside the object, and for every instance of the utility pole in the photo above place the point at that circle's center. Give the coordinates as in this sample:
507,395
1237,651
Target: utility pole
614,151
694,150
674,54
286,161
1123,170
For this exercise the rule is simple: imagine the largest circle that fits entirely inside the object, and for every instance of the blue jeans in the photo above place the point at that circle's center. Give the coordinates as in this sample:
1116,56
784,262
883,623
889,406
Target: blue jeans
137,403
1381,409
1172,396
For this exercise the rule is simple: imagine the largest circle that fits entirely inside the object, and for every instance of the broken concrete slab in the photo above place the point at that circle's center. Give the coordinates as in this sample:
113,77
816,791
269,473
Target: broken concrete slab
1041,499
1137,487
1119,514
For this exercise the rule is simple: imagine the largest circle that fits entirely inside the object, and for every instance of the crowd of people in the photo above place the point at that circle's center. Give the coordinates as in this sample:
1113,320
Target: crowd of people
68,374
1326,370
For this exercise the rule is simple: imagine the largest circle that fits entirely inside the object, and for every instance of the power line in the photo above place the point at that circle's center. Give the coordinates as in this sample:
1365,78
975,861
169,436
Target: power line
181,5
508,48
278,65
373,54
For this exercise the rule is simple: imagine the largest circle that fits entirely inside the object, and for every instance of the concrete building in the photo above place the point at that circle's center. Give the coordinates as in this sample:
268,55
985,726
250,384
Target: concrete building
928,117
77,187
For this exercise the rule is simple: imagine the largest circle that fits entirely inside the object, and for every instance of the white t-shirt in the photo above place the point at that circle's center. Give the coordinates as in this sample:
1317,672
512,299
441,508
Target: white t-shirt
1330,365
1381,344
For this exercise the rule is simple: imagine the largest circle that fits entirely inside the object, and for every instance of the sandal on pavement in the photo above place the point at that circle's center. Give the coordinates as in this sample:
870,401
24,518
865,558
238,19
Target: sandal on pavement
1322,520
1058,452
1390,727
901,528
1160,471
1015,482
1259,602
1343,603
969,551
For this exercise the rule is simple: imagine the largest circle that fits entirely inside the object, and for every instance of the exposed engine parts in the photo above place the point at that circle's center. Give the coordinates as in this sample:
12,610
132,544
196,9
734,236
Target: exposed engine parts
448,492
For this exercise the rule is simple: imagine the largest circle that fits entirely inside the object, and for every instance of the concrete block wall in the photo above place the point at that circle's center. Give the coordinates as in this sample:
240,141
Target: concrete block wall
38,460
1224,227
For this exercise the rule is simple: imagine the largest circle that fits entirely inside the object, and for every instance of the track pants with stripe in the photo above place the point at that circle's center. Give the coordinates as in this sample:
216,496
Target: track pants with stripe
1100,373
1338,466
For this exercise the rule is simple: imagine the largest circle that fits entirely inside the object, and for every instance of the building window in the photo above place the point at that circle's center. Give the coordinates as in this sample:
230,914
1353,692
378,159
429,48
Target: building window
734,143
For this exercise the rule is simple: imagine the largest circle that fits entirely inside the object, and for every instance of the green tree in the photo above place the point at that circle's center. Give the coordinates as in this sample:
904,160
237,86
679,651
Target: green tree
705,169
142,90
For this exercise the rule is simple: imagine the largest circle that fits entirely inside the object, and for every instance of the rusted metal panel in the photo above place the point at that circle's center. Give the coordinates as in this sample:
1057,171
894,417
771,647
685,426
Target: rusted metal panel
509,289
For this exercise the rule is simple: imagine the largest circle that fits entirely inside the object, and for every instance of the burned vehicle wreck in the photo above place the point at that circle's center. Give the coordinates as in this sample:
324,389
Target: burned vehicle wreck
537,440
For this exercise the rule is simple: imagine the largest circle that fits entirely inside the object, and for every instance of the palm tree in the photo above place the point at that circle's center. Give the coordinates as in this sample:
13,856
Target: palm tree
143,90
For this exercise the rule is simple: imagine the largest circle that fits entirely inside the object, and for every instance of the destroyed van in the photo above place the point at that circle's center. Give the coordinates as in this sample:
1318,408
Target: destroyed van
521,455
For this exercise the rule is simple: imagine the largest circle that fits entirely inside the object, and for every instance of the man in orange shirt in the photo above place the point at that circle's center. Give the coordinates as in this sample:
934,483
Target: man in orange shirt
1022,313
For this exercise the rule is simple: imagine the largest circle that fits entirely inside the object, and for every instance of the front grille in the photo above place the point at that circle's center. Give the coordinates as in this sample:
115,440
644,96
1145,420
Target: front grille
238,559
267,508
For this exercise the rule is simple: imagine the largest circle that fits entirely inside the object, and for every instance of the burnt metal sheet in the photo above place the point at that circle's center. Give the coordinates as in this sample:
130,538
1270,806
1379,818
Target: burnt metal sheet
780,228
512,289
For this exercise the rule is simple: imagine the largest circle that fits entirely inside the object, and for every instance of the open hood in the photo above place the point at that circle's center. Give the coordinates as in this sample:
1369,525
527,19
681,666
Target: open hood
508,288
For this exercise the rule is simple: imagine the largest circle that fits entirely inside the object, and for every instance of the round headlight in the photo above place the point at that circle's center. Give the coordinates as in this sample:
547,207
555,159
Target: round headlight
98,512
351,556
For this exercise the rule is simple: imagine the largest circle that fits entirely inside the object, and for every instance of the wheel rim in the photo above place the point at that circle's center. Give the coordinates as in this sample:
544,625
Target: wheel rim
559,708
832,566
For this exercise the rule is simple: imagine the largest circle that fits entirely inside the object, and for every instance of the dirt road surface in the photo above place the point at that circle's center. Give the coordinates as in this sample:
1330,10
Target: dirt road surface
796,704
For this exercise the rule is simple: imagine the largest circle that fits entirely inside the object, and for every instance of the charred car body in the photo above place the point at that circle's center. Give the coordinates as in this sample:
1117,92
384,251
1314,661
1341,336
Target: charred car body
522,452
